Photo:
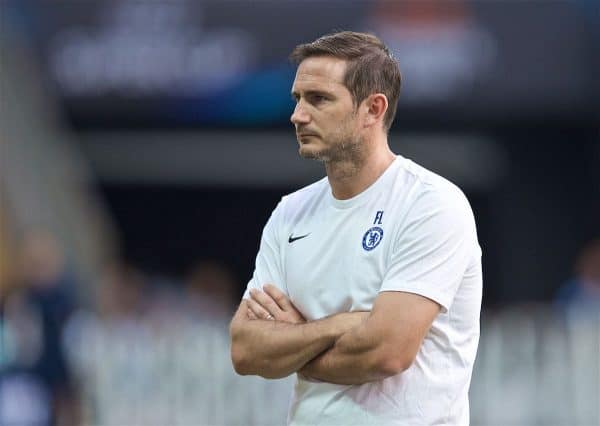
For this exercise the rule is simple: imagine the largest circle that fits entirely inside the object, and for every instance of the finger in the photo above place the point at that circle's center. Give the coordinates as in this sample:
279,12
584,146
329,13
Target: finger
259,311
265,301
279,297
251,314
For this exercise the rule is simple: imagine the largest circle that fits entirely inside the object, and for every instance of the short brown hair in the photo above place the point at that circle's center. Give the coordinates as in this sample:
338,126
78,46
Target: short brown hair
371,67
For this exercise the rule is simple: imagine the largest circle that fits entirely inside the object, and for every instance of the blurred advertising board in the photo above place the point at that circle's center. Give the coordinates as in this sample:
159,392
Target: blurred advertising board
224,63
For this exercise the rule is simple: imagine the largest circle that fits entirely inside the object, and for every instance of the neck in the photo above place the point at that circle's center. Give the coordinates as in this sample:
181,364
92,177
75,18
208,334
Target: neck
349,177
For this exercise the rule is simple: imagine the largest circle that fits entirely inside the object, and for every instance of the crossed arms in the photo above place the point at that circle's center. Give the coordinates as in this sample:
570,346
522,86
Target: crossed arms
271,338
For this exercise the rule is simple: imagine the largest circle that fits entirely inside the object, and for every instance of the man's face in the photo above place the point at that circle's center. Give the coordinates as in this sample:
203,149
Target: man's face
327,123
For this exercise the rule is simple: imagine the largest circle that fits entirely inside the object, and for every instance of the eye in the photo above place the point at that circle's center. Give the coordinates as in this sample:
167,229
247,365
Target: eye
318,99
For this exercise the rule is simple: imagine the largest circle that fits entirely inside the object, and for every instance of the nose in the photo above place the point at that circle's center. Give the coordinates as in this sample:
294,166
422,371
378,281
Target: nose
299,116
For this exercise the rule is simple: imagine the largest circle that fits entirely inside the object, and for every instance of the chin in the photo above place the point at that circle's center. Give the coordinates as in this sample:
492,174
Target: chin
312,154
306,152
309,152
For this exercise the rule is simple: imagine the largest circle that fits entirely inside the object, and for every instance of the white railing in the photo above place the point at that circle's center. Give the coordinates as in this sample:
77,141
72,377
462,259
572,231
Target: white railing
538,366
534,367
175,372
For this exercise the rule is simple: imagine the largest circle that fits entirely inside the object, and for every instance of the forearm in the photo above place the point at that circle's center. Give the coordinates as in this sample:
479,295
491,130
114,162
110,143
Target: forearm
355,358
275,349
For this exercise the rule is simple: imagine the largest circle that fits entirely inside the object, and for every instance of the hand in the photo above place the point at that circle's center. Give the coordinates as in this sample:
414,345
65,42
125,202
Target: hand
273,304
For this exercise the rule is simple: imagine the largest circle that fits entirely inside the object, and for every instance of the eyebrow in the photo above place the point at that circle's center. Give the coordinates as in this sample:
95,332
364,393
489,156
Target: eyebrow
296,95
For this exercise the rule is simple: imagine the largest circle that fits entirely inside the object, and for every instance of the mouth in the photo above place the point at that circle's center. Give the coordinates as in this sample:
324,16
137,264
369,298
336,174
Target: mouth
305,135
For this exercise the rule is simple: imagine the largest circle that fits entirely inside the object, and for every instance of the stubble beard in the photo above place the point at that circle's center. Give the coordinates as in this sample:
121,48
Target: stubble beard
344,153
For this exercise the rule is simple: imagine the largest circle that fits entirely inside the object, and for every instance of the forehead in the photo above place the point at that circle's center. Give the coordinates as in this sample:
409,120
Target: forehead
323,72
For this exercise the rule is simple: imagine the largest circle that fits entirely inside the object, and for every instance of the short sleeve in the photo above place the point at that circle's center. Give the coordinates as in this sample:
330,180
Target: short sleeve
433,247
268,266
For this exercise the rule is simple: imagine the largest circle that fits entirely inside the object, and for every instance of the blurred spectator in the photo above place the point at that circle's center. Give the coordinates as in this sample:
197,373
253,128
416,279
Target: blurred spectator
153,355
583,290
121,293
21,385
34,372
165,304
109,348
211,292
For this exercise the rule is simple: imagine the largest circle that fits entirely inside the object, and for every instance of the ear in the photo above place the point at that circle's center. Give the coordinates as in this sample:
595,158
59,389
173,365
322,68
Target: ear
376,106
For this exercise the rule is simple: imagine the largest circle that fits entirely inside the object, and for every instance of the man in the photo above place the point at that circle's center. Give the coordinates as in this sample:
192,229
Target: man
367,282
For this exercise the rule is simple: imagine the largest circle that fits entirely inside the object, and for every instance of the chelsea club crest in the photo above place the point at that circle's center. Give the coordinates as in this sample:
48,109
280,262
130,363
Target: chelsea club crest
372,238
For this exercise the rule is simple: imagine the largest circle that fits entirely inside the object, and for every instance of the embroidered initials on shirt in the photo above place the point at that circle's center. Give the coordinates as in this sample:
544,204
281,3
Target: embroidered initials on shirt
378,218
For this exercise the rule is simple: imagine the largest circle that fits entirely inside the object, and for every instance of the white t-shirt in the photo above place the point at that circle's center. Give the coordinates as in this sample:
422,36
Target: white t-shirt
410,231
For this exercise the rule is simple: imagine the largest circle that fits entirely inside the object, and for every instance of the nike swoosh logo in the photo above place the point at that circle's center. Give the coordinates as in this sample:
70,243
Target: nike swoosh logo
292,238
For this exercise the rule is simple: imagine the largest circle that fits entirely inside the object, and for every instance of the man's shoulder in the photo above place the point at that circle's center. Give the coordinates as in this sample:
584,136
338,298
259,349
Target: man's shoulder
427,188
297,204
306,194
433,205
425,179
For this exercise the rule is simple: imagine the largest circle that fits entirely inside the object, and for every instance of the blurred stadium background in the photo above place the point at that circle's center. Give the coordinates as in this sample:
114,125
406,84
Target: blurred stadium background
143,145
